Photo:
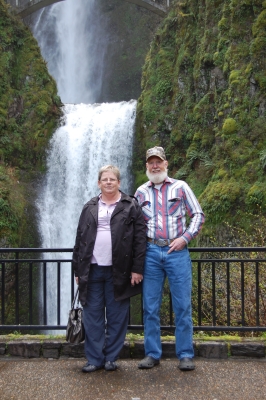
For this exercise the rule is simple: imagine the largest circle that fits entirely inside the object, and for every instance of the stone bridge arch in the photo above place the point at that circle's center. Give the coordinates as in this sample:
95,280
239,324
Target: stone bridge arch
25,8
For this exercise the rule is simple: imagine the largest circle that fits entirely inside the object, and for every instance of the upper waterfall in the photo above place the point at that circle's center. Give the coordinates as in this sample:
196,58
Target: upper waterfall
69,36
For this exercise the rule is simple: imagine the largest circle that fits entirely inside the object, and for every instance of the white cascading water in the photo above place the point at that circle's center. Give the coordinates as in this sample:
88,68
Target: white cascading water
91,135
73,43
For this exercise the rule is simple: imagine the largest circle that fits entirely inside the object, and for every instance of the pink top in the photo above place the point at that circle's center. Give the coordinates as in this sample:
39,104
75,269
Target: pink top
102,252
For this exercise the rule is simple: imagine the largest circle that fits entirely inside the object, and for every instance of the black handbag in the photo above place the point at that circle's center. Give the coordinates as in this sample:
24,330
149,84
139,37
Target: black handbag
75,332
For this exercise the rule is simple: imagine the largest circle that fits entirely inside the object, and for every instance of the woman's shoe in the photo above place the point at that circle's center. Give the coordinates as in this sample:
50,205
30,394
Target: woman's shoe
110,366
90,368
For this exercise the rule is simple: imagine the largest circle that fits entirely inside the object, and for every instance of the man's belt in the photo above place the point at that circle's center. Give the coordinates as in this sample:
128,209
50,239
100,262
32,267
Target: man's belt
160,242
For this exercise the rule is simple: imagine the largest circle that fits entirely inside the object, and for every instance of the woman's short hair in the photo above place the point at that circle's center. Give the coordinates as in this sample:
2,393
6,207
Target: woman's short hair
111,168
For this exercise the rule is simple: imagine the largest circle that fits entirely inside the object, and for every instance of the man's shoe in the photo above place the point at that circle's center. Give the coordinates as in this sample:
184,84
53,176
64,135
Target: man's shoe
110,366
186,364
90,368
148,362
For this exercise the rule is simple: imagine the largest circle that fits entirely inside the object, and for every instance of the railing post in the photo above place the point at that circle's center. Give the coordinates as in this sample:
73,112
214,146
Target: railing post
17,289
30,293
3,294
44,294
58,292
257,295
243,319
213,295
199,293
228,293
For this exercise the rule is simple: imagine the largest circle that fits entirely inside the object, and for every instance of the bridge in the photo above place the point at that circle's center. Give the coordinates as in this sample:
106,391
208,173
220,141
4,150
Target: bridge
24,7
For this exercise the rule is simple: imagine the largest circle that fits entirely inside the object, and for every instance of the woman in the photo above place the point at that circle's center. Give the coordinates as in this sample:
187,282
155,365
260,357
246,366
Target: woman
108,261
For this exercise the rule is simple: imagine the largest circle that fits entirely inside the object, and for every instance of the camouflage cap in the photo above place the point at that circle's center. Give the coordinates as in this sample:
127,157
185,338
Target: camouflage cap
157,152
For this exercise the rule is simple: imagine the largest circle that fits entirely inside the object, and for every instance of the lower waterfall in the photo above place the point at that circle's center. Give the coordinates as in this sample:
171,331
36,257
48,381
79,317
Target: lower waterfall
90,136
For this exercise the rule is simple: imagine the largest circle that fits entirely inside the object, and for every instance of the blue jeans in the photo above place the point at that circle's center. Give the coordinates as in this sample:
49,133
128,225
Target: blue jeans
103,342
178,268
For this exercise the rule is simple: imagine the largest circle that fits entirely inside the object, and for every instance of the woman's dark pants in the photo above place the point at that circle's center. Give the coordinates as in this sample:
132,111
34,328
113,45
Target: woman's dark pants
105,320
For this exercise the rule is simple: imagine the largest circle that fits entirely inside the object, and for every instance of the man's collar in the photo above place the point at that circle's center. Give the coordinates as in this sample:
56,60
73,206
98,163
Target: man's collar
167,180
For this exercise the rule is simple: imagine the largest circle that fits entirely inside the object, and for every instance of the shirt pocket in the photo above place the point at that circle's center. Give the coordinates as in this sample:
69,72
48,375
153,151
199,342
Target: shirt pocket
174,207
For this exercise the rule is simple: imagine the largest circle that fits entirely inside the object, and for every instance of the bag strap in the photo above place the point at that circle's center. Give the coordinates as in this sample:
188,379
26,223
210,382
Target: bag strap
75,298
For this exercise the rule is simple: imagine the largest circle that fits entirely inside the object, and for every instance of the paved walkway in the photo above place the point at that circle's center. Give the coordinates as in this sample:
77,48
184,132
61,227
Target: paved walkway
42,379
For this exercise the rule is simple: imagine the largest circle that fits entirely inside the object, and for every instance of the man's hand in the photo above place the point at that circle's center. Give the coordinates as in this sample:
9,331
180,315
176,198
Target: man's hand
136,278
177,245
77,280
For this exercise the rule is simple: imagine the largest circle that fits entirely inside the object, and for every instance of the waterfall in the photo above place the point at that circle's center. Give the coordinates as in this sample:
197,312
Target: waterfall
91,135
73,42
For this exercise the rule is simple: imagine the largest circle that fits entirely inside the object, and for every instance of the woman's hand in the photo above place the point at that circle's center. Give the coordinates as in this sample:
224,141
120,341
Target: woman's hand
136,278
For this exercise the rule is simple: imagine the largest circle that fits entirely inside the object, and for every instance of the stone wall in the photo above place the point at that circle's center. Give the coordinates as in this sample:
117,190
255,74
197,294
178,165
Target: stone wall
61,349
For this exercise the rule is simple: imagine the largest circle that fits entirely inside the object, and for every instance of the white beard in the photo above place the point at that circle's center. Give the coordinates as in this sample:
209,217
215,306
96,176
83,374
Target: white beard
157,178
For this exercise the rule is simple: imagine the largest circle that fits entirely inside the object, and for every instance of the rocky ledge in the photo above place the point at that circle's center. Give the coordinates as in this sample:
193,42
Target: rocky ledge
55,349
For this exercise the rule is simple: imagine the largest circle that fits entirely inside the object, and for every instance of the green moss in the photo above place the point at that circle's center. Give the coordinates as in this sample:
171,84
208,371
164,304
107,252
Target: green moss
235,76
224,24
219,197
229,126
261,79
256,196
203,99
258,28
29,112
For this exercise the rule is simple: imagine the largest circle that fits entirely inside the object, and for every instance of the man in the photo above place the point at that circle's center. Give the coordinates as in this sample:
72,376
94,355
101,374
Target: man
108,262
165,203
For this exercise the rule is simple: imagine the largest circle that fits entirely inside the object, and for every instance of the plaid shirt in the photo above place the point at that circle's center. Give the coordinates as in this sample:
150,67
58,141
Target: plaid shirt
165,210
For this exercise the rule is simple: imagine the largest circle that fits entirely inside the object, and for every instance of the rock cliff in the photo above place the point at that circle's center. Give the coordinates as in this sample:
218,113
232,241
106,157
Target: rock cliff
203,99
29,112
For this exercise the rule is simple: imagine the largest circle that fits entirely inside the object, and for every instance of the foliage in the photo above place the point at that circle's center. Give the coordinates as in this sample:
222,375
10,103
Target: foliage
29,110
203,99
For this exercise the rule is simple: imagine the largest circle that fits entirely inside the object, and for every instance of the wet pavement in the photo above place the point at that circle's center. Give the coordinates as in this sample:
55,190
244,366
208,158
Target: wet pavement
39,379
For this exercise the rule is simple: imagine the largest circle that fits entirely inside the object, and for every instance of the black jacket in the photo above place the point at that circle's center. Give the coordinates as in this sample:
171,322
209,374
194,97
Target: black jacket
128,233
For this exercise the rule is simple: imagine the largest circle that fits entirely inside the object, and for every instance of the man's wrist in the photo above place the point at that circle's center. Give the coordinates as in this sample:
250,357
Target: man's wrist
185,239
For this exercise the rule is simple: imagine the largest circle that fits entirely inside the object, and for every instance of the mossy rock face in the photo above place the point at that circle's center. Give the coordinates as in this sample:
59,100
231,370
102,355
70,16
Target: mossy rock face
203,99
29,113
130,29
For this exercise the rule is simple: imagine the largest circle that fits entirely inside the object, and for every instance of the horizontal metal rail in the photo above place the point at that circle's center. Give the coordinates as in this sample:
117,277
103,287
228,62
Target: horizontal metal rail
229,290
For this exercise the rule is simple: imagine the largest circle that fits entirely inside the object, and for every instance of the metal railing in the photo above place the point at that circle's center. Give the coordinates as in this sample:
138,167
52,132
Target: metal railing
24,287
229,290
